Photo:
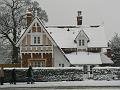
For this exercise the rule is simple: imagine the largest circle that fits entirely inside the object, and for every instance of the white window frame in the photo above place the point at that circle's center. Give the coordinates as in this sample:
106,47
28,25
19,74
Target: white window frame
38,63
80,44
83,42
61,65
36,42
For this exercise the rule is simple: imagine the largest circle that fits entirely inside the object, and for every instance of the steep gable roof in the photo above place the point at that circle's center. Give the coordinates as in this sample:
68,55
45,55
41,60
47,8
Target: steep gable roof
82,31
36,19
27,30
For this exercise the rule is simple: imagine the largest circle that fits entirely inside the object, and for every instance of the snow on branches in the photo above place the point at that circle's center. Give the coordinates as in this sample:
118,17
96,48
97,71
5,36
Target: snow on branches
115,49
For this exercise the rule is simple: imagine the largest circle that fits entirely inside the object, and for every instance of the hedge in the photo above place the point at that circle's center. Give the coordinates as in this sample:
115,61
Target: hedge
47,74
106,73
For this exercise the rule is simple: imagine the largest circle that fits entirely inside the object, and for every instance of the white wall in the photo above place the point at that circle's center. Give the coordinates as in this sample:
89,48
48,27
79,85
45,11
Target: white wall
59,58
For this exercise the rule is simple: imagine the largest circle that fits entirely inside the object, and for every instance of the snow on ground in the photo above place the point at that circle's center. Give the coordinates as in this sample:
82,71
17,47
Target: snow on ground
87,83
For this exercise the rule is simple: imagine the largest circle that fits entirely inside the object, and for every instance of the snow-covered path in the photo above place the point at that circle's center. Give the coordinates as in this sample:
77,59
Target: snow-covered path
60,89
65,84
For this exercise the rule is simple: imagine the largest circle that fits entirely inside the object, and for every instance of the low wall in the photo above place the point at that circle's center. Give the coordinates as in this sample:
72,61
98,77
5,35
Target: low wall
106,73
47,74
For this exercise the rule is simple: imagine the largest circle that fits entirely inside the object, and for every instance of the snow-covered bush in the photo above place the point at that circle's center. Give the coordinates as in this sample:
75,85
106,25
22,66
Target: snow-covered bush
106,73
47,74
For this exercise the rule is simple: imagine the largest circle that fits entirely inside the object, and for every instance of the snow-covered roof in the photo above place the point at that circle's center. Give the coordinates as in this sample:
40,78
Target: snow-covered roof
88,58
65,37
97,36
84,58
105,59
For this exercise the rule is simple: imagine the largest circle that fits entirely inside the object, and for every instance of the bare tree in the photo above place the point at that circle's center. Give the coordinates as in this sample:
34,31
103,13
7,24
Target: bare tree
12,14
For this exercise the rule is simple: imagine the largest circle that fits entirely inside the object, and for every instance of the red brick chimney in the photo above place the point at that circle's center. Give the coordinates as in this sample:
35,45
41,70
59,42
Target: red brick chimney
29,16
79,18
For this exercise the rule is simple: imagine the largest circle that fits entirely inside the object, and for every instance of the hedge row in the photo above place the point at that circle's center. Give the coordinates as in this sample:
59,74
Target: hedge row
106,73
40,74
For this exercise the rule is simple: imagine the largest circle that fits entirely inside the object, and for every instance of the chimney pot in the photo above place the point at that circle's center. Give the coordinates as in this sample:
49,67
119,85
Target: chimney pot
79,18
29,16
79,13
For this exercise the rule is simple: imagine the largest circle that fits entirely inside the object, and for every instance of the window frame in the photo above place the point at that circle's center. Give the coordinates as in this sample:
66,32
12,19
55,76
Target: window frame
80,43
61,65
37,63
83,42
36,40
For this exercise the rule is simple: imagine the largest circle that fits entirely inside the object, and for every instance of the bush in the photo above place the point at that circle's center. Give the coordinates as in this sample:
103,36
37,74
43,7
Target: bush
106,73
49,74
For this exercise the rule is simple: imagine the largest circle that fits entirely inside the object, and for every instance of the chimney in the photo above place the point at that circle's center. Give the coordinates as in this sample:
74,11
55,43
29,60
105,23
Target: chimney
79,18
29,16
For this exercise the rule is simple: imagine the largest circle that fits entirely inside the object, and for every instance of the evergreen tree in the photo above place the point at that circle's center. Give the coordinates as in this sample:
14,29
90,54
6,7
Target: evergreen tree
115,50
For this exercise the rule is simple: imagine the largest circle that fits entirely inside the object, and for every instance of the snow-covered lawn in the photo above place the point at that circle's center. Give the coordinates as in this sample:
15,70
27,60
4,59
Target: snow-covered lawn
64,84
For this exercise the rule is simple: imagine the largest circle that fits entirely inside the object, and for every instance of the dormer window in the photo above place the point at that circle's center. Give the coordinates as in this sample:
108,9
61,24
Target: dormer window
81,42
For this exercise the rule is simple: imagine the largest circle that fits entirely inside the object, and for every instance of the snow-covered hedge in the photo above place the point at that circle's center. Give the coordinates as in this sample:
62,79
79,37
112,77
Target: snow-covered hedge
47,74
106,73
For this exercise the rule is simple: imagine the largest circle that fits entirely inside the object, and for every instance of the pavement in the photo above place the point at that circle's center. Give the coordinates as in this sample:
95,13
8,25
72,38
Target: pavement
87,83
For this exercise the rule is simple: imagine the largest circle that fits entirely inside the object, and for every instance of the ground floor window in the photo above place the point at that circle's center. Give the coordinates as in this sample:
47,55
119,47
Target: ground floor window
38,63
61,65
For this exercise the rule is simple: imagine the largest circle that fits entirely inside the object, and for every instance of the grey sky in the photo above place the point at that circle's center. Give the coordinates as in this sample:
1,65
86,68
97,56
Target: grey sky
64,12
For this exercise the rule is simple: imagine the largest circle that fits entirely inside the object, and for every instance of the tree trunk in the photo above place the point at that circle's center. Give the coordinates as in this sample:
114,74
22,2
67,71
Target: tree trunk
15,55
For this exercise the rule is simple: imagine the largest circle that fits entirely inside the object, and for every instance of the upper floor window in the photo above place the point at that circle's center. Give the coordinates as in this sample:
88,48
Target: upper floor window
36,40
81,42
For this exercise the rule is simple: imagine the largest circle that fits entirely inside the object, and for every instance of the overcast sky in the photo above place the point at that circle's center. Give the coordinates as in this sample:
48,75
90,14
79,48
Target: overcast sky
95,12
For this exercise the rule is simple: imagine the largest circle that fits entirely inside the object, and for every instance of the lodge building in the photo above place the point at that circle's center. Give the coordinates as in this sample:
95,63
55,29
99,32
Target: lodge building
62,46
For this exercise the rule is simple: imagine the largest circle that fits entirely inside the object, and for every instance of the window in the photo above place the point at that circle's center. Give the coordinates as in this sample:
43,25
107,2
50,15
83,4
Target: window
79,42
38,63
83,43
61,65
36,40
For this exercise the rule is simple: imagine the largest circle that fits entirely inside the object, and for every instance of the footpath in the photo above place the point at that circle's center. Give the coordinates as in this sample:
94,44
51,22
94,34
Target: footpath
62,84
